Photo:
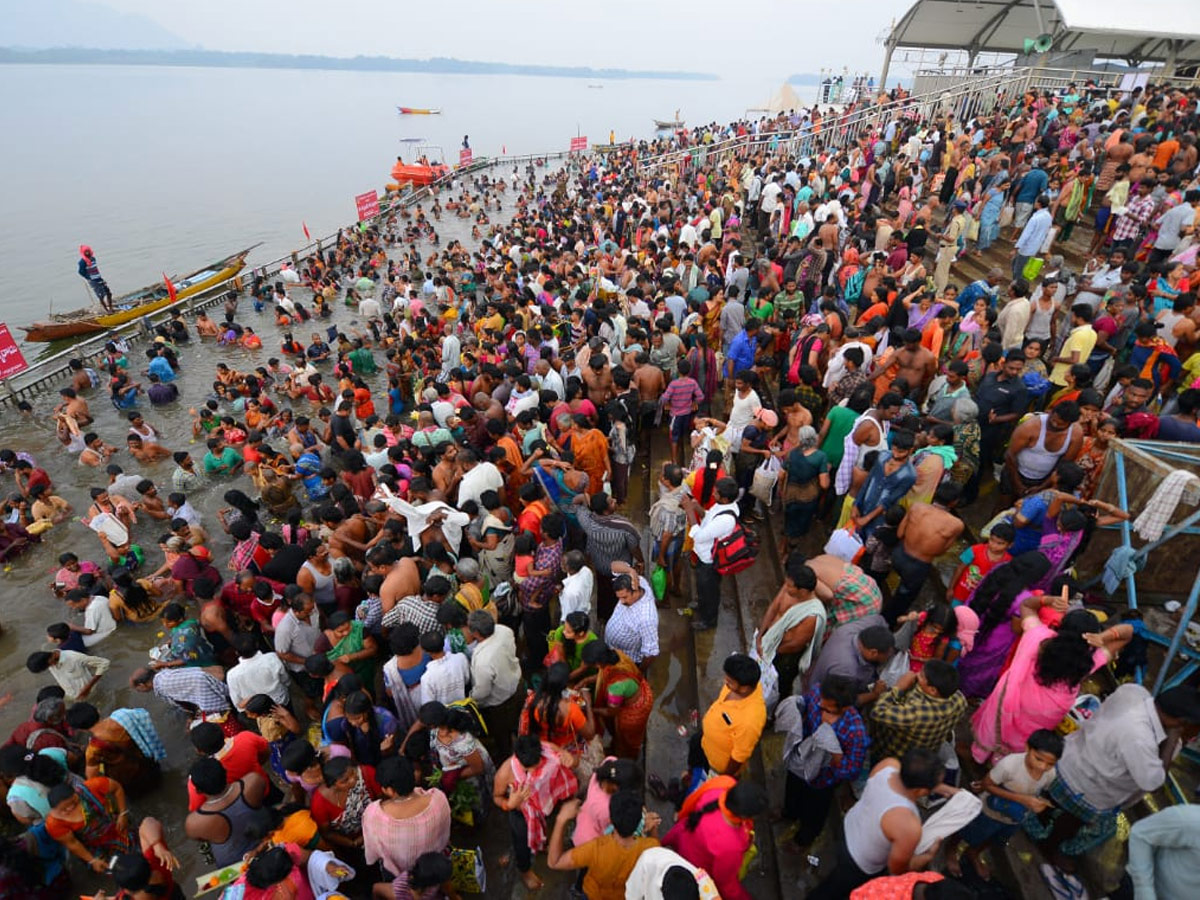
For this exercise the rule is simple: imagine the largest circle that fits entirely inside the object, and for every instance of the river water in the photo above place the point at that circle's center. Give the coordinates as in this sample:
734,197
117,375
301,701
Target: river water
167,169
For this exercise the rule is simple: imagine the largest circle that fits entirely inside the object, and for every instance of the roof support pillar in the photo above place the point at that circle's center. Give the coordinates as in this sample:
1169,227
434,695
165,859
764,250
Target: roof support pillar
1169,64
890,48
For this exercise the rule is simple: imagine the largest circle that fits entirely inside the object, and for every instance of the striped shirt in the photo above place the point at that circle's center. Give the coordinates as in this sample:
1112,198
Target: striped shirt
606,543
682,396
191,684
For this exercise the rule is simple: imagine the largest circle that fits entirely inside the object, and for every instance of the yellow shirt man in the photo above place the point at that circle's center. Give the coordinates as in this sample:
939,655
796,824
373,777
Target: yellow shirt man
732,727
1080,341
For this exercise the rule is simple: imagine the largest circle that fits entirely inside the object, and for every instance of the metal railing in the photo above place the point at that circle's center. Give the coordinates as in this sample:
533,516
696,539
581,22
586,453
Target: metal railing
43,373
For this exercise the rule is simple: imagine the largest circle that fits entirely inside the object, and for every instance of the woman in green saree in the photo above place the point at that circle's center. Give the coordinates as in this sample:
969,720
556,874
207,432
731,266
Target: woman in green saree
350,645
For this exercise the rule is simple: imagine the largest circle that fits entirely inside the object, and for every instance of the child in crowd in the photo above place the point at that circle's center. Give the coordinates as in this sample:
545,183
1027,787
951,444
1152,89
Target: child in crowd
979,559
934,636
1013,787
523,558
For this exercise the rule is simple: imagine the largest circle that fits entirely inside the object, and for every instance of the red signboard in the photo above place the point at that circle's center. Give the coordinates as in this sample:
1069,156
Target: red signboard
368,205
465,156
579,143
11,361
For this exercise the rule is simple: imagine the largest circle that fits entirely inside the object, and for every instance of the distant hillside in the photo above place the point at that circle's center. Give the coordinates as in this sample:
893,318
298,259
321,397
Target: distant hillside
239,60
73,23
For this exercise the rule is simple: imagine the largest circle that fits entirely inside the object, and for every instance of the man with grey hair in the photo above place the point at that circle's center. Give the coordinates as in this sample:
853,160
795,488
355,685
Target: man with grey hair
495,679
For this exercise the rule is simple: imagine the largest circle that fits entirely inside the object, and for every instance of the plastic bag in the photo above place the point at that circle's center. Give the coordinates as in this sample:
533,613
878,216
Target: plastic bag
766,476
895,667
658,582
844,544
1033,268
467,871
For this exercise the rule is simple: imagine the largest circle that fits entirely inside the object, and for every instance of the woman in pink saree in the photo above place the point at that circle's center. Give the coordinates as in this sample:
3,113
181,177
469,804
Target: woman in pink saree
1043,680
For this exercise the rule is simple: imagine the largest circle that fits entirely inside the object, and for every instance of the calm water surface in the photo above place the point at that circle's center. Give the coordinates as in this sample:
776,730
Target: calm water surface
167,169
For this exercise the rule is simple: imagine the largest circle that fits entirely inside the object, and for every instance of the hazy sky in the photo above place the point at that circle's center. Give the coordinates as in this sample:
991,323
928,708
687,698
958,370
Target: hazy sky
760,37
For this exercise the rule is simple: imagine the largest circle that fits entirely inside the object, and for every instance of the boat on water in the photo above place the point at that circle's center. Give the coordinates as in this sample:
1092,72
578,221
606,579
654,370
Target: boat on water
93,319
417,111
666,124
424,171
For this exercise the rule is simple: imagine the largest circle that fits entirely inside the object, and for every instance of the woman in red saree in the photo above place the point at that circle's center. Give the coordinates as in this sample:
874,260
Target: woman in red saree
91,820
623,698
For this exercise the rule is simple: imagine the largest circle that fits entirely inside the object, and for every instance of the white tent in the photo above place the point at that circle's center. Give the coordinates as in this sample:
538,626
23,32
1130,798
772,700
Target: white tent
784,100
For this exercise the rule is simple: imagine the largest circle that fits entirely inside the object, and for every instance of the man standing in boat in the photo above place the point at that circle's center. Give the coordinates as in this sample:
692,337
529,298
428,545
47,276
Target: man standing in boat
90,271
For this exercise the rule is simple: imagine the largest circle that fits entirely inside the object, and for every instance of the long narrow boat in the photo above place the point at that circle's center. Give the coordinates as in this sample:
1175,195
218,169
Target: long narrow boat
417,111
92,319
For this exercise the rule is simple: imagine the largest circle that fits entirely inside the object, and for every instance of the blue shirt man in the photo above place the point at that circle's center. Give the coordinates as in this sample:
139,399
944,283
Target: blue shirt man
743,347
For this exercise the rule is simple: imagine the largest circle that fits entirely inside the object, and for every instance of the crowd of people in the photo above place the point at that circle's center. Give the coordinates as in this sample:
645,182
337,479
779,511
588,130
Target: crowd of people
431,599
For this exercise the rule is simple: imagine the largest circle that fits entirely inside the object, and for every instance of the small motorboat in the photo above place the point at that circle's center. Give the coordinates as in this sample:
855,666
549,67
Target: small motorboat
420,173
93,319
417,111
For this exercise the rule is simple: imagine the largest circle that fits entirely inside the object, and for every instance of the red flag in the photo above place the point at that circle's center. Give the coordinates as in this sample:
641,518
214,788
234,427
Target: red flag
504,150
304,225
170,287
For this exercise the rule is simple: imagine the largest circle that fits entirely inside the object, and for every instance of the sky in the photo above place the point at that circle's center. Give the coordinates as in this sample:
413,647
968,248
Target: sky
773,38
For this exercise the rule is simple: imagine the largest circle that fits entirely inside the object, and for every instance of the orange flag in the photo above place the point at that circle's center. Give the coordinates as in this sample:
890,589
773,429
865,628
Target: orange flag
304,225
170,287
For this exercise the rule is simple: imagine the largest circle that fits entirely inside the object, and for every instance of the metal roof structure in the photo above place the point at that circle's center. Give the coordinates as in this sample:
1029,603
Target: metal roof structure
1161,31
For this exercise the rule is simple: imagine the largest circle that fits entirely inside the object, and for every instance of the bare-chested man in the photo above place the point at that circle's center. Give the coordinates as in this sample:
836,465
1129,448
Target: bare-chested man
447,473
401,576
926,532
914,363
802,628
74,406
206,327
349,536
650,383
847,591
597,376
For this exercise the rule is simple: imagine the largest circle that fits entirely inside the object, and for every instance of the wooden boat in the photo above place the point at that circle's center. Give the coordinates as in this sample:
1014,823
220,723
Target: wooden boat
131,306
664,124
417,111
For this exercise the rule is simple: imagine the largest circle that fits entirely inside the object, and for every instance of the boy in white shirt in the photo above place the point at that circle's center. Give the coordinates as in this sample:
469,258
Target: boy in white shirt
1013,787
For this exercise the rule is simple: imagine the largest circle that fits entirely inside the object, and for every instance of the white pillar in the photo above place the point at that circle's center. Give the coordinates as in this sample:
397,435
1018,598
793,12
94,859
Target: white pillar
887,64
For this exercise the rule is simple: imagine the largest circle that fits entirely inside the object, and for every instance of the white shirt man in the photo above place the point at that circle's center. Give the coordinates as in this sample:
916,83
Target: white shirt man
446,678
712,528
552,381
770,197
483,476
98,619
368,308
495,670
263,673
576,594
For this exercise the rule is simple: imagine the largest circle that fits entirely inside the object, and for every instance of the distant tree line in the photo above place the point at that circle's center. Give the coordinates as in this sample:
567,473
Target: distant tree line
242,60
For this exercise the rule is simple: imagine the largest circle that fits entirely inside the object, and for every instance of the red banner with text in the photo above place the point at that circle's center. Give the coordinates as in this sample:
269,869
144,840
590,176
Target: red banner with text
12,362
579,143
367,205
465,156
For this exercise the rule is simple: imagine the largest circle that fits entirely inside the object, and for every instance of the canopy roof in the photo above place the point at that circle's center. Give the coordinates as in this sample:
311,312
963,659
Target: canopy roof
1116,29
